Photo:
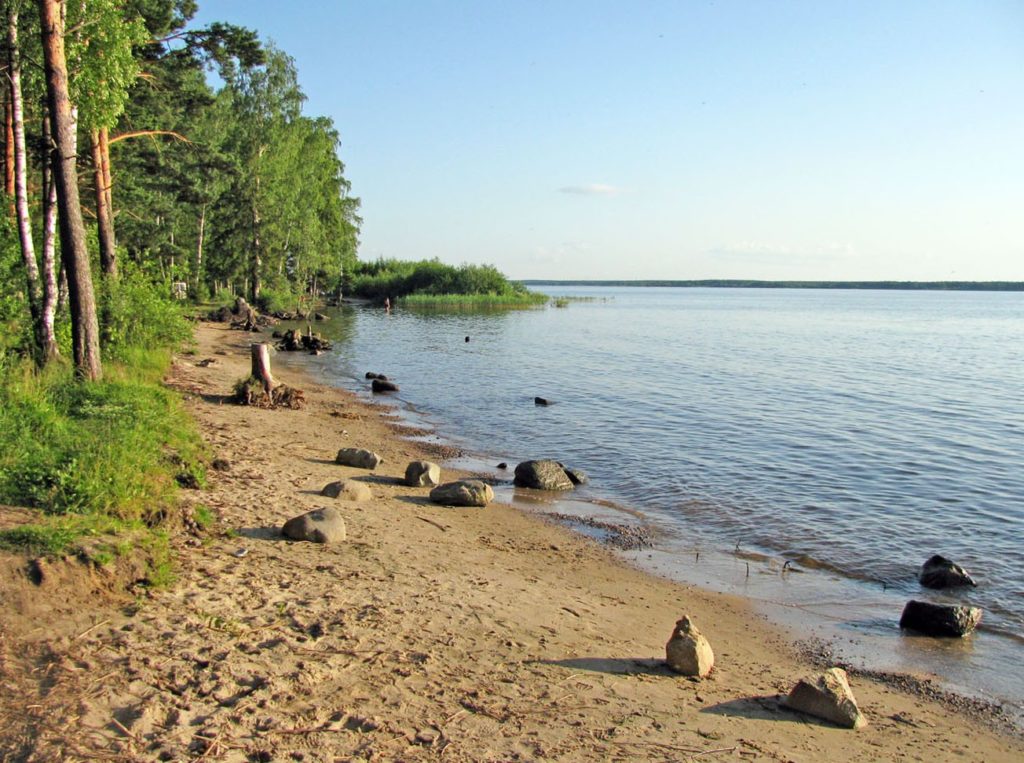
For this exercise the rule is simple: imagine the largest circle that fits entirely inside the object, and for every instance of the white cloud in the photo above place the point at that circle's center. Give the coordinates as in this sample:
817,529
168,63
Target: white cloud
592,189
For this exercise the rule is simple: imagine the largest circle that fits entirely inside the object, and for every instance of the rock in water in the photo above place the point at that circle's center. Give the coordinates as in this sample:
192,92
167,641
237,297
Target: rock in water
688,652
541,401
542,475
422,474
940,619
463,493
318,526
940,572
359,458
827,695
347,490
576,476
383,385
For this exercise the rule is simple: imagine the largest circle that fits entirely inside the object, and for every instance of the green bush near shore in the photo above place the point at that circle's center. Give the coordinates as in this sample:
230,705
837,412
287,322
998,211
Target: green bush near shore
431,282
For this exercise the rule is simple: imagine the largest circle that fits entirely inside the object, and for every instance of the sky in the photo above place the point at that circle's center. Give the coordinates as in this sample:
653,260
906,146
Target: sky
819,140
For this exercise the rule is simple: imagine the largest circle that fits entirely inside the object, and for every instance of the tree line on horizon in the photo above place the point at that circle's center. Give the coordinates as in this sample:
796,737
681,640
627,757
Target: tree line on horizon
141,151
755,284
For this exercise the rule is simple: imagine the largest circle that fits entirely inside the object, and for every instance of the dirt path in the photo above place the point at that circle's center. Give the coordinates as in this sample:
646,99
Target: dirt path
431,633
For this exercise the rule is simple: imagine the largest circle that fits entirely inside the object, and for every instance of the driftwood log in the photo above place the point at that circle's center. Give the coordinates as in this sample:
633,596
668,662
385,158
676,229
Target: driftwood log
260,390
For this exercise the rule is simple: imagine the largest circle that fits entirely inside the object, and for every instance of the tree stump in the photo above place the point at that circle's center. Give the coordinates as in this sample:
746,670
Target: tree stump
261,366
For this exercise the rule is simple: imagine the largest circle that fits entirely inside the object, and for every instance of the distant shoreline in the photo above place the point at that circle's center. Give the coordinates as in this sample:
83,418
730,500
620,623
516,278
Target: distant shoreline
751,284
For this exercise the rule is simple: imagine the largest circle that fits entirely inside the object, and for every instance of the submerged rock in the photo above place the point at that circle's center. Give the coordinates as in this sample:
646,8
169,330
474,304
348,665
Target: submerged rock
940,572
318,526
828,696
422,474
359,458
383,385
463,493
688,651
347,490
541,401
542,475
940,619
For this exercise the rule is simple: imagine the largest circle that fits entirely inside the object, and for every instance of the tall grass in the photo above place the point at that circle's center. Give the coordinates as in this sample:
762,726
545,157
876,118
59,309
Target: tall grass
473,301
109,448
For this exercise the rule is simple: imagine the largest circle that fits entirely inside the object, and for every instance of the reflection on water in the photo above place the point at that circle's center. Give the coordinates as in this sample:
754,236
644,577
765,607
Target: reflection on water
855,433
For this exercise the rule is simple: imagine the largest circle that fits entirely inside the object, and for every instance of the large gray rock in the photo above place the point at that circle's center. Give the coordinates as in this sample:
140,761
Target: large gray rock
463,493
688,651
828,696
318,526
542,475
359,458
422,474
347,490
940,572
940,619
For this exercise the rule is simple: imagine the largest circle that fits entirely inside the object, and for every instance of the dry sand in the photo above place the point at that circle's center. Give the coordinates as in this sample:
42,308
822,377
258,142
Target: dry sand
431,633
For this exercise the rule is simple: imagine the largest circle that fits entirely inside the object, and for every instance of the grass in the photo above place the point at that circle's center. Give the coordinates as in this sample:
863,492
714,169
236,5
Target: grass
512,300
110,448
99,461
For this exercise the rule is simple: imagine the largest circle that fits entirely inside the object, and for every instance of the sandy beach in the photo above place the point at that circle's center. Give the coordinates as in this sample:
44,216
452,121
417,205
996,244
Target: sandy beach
430,633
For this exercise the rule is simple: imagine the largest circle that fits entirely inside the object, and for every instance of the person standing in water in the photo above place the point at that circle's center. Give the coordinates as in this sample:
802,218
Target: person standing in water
387,304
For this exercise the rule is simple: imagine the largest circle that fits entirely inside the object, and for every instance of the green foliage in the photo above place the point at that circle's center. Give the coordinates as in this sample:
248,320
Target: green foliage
57,536
400,278
111,448
203,516
141,314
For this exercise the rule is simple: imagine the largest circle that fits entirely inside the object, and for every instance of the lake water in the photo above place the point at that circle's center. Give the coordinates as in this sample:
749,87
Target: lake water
851,433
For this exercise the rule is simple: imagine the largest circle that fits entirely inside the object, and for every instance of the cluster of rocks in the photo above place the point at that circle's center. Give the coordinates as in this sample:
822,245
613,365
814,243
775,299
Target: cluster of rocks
296,341
944,620
826,695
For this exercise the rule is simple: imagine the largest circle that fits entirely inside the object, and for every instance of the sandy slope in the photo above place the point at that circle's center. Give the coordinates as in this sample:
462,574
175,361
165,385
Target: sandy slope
434,633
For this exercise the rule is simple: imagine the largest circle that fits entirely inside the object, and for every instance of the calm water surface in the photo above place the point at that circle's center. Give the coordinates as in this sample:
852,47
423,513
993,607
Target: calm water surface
853,433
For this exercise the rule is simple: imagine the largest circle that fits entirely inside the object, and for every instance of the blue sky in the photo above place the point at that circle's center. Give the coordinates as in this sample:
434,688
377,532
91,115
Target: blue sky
777,140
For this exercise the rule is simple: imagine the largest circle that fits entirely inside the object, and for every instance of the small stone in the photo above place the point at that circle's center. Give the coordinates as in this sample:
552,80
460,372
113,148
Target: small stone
347,490
359,458
503,465
828,696
422,474
220,465
318,526
940,619
688,651
463,493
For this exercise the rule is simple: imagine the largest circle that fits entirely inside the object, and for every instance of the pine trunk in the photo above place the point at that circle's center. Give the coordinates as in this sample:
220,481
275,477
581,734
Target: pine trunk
85,329
104,219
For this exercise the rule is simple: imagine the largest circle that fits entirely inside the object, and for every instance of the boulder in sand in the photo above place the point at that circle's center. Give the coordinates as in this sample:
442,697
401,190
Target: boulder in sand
828,696
422,474
462,493
542,475
383,385
347,490
688,651
940,572
359,458
318,526
940,619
